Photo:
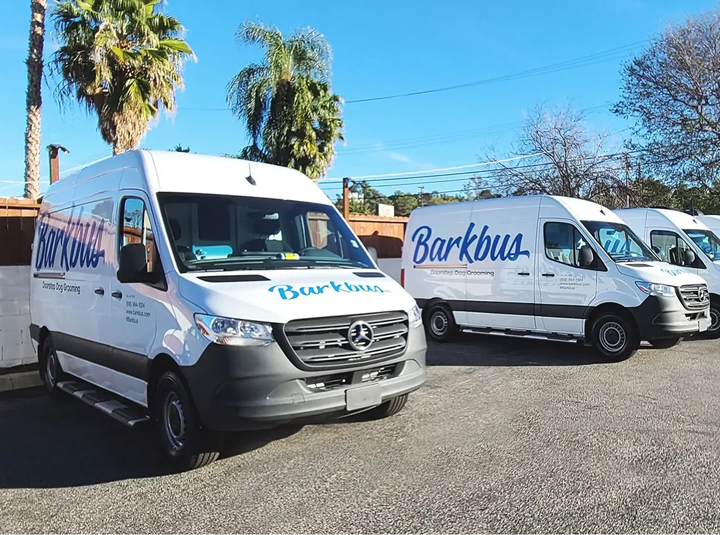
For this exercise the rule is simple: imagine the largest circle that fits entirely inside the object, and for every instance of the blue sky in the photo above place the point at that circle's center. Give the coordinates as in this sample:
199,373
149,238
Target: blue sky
379,48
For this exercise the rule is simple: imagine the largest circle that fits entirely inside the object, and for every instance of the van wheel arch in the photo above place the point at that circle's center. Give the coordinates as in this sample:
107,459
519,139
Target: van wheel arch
160,364
609,308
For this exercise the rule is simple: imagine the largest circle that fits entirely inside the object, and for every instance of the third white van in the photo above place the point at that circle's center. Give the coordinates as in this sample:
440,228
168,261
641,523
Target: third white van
684,241
540,266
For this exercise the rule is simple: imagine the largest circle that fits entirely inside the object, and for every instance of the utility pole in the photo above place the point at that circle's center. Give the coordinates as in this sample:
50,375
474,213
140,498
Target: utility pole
346,198
53,152
422,201
627,180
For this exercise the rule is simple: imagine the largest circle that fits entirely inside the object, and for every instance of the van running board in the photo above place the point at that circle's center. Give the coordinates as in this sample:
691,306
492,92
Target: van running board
122,411
514,333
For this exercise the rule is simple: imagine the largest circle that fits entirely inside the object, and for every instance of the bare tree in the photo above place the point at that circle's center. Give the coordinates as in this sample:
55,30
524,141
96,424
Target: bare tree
566,158
34,98
673,91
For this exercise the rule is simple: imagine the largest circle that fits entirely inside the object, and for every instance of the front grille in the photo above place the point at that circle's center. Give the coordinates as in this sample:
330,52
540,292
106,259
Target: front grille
324,342
695,296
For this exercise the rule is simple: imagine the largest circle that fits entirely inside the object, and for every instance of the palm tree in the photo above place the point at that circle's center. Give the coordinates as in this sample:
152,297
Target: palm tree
122,60
292,116
34,98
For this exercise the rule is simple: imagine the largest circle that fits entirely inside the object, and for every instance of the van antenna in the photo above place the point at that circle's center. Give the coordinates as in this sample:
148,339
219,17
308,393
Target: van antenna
250,178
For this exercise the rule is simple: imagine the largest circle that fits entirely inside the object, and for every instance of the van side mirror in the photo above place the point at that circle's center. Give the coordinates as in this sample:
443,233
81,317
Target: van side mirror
133,264
688,257
586,257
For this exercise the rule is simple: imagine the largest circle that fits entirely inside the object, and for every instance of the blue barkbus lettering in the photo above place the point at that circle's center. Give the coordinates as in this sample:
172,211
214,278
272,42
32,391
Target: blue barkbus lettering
77,244
438,249
288,292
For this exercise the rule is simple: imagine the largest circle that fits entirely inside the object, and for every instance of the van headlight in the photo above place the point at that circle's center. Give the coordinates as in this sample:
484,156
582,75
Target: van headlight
233,332
414,317
652,288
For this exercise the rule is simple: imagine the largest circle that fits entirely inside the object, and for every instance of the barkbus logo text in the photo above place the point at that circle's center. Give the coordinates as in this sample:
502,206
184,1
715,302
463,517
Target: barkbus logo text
438,249
77,244
287,292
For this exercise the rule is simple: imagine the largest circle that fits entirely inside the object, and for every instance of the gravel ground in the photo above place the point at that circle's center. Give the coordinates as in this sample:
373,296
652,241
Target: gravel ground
506,436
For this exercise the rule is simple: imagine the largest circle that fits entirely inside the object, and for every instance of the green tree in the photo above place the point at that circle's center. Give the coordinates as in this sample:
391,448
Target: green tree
671,91
404,203
33,101
122,60
179,148
291,114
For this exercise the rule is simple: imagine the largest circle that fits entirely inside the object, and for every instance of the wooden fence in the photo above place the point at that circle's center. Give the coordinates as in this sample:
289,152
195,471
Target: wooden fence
385,234
17,229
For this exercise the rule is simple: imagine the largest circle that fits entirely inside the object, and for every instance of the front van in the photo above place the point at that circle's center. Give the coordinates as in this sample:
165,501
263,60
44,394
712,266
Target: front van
547,267
684,241
211,294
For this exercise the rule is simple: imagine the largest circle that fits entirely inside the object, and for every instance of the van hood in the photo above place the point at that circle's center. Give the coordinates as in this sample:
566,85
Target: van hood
279,296
659,273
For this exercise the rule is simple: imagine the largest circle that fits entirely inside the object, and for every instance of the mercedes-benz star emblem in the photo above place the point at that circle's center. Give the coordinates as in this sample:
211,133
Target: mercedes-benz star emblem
360,336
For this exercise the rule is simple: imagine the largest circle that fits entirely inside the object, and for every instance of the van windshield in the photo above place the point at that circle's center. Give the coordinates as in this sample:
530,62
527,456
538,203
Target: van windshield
706,241
226,233
621,243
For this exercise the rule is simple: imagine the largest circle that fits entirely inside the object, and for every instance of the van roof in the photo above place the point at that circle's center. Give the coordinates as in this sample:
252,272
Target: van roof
579,208
677,218
181,172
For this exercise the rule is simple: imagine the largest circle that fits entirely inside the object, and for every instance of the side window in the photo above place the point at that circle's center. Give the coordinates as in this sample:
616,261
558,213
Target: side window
669,247
136,228
563,242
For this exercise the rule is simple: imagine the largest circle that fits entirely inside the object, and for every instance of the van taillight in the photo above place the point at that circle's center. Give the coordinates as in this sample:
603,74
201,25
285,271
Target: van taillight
402,278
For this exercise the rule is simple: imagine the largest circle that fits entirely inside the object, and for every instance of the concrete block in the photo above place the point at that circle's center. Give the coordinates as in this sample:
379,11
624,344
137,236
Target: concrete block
24,308
18,381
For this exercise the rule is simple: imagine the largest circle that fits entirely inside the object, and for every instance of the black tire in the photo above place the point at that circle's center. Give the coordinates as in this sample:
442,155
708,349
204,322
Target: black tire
665,343
389,408
713,332
51,372
182,439
440,323
614,337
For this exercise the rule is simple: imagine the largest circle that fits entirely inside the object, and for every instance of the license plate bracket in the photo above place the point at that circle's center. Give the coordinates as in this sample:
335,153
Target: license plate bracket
362,397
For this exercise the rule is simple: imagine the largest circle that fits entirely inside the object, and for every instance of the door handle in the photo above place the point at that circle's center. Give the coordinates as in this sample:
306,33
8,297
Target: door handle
99,291
548,274
524,274
117,294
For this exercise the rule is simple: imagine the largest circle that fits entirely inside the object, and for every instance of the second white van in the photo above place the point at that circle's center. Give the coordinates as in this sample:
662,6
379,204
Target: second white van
540,266
684,241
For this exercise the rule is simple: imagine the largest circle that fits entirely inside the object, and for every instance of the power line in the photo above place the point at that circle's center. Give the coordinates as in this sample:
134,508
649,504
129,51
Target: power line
583,61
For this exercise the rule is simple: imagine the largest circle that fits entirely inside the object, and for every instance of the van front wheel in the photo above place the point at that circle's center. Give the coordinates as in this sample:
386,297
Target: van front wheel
614,337
50,370
713,331
183,441
440,323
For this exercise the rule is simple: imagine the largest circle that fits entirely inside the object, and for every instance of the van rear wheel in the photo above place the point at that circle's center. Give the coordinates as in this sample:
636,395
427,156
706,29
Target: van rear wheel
440,323
182,439
51,372
614,337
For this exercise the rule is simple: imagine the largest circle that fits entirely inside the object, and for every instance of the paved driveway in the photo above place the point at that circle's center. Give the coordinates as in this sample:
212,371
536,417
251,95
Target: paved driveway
506,436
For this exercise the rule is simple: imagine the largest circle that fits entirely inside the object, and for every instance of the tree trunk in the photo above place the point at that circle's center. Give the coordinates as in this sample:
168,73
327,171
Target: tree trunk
34,98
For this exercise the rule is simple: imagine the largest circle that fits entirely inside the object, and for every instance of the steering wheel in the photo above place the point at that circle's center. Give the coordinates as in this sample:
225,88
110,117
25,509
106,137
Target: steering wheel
304,251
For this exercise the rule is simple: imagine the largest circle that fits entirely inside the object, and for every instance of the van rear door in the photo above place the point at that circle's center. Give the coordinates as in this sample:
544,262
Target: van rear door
565,289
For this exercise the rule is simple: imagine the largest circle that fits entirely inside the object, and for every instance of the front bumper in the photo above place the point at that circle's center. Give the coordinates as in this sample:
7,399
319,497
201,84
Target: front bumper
660,317
241,388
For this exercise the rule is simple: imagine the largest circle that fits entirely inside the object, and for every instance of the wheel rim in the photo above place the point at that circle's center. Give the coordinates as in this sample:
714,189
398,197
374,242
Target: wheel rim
612,337
714,319
439,323
174,421
51,368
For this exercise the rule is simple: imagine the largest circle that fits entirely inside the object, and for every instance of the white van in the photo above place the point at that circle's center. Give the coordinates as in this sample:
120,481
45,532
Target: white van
539,266
211,294
682,240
